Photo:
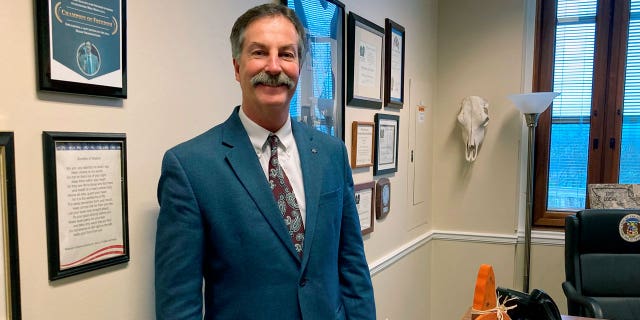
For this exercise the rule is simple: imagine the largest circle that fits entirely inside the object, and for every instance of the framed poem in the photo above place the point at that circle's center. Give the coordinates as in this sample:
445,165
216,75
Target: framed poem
319,97
393,64
383,198
364,194
362,144
86,201
386,155
82,47
10,305
364,56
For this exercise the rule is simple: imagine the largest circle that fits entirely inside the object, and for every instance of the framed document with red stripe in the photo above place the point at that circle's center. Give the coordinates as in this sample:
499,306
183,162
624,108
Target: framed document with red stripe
86,201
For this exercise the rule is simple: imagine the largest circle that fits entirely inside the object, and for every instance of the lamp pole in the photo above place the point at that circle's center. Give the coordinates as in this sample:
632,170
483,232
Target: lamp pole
532,123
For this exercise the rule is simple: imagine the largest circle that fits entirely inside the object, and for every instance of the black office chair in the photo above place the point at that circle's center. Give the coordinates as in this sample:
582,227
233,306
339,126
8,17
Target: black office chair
602,264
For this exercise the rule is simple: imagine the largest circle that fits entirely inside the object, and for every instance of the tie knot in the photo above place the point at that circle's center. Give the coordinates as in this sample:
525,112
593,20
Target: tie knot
273,141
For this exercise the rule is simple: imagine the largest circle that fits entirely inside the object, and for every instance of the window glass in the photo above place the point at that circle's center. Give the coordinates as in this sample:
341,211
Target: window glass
573,73
630,143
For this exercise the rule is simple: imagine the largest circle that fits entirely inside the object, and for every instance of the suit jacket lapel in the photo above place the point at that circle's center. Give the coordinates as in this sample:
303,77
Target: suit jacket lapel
240,157
308,151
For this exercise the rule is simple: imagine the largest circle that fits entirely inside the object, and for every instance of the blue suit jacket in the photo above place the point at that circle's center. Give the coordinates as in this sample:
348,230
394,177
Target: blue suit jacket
219,221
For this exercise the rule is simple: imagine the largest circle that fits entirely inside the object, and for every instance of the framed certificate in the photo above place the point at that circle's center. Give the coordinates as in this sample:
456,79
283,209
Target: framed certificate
393,64
82,47
364,194
386,155
10,276
86,201
319,98
362,144
364,56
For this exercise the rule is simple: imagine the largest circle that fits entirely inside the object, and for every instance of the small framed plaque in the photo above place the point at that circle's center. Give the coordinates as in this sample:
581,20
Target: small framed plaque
86,201
364,202
362,140
383,198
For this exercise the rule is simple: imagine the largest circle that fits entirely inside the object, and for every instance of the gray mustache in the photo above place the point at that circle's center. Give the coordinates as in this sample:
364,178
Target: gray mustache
272,80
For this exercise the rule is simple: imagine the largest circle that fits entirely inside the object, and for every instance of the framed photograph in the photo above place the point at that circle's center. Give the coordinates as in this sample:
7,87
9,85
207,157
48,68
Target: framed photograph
364,81
82,47
393,64
383,198
86,201
364,193
362,144
10,276
319,98
386,155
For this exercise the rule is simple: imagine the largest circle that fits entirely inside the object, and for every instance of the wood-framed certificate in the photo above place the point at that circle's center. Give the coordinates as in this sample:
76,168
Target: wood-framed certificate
362,140
364,194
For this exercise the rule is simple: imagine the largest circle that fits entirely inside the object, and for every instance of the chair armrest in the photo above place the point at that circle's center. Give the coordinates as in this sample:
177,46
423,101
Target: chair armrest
589,304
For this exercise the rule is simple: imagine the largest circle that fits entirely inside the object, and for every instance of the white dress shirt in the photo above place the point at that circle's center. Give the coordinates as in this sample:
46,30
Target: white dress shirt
287,154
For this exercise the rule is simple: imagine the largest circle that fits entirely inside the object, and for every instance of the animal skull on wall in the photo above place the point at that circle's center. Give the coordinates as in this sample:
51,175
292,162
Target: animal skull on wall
473,119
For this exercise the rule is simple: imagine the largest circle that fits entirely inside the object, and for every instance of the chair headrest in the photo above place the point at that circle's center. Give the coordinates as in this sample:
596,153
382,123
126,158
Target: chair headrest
609,231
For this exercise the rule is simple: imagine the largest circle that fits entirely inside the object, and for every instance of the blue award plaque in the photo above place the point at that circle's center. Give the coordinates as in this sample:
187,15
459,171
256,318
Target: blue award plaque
81,46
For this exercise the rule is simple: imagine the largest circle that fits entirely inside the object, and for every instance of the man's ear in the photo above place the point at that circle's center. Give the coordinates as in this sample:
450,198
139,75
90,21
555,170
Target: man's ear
236,68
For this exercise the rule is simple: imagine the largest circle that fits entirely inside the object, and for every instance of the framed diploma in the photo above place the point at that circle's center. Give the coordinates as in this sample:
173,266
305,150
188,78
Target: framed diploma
82,47
364,78
393,64
319,98
10,275
362,144
86,201
386,155
383,198
364,202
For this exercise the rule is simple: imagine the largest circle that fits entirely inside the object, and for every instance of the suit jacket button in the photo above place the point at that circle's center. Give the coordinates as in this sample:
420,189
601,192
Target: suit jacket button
303,282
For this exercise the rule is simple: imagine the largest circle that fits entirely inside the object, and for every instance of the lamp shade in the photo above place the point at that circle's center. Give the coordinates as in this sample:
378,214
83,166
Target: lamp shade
535,102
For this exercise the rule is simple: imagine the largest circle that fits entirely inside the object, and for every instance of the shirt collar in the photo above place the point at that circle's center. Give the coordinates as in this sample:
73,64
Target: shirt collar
258,135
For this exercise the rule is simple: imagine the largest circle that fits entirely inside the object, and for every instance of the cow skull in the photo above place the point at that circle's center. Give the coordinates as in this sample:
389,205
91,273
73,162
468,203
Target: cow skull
473,119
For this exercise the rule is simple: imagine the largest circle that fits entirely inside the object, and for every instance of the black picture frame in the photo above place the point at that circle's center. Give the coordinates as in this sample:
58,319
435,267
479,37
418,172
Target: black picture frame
364,76
319,98
394,64
386,149
86,201
82,49
364,197
8,209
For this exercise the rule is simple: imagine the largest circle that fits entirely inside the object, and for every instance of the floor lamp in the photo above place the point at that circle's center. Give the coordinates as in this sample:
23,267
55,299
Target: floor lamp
531,105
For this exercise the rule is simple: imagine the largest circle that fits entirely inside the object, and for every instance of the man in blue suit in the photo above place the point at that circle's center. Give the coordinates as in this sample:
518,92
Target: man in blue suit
257,215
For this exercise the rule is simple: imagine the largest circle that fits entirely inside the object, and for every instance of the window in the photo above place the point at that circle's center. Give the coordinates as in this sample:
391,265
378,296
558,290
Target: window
588,50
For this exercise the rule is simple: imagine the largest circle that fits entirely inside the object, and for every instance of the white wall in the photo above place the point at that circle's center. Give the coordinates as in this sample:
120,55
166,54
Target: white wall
484,48
180,83
424,255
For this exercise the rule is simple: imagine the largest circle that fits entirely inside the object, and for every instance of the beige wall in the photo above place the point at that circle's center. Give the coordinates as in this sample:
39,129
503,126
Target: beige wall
447,216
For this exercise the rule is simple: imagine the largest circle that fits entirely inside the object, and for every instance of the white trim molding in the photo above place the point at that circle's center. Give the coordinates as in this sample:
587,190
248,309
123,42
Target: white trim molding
547,238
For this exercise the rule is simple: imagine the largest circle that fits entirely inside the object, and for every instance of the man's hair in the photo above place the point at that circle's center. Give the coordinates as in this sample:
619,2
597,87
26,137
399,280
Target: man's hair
265,10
